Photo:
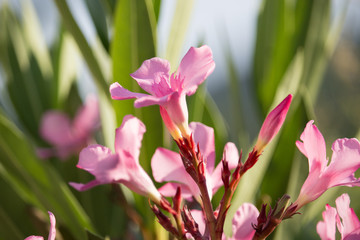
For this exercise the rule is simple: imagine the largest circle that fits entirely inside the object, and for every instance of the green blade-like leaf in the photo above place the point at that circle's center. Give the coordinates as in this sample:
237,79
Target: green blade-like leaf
134,42
28,82
98,16
251,181
106,113
282,27
179,26
36,182
8,229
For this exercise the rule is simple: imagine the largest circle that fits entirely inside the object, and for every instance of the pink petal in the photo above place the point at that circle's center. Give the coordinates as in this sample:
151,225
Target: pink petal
198,216
340,172
52,232
153,74
169,190
129,135
84,187
344,163
135,178
242,222
167,166
119,93
55,127
177,109
350,221
204,136
195,67
101,162
313,146
355,235
170,125
231,154
34,238
326,229
87,117
149,100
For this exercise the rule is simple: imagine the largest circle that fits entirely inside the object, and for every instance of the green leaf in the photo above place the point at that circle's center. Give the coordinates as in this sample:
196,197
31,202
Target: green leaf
68,63
281,30
36,182
92,236
156,5
92,59
134,41
179,26
8,229
85,49
28,82
98,16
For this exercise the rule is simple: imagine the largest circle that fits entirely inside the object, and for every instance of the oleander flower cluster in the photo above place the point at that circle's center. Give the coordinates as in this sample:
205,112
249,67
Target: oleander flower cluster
190,174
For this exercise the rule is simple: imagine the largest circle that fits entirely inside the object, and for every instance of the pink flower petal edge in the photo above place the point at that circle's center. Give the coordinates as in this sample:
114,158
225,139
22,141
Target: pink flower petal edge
350,224
326,229
123,165
322,176
343,217
52,231
242,222
245,216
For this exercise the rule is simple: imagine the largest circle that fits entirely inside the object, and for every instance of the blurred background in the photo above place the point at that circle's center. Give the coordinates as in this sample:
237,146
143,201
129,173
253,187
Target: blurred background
53,54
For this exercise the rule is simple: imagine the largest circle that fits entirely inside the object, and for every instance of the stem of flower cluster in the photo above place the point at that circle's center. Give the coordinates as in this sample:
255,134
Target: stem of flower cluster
179,225
208,209
207,206
225,204
200,180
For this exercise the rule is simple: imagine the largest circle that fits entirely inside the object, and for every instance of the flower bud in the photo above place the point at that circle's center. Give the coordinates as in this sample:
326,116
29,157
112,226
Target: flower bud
273,123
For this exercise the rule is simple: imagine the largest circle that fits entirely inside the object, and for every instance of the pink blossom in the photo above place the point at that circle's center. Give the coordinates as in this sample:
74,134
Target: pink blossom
69,137
322,174
169,91
346,220
123,165
273,123
167,165
242,222
326,229
52,231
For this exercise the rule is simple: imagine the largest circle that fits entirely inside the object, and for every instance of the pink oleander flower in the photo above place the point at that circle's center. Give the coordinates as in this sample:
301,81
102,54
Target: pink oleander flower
123,165
345,218
273,123
322,174
169,91
52,231
167,165
69,137
242,222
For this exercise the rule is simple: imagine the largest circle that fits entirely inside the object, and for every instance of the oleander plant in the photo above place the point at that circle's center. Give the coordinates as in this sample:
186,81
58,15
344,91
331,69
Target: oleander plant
102,136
